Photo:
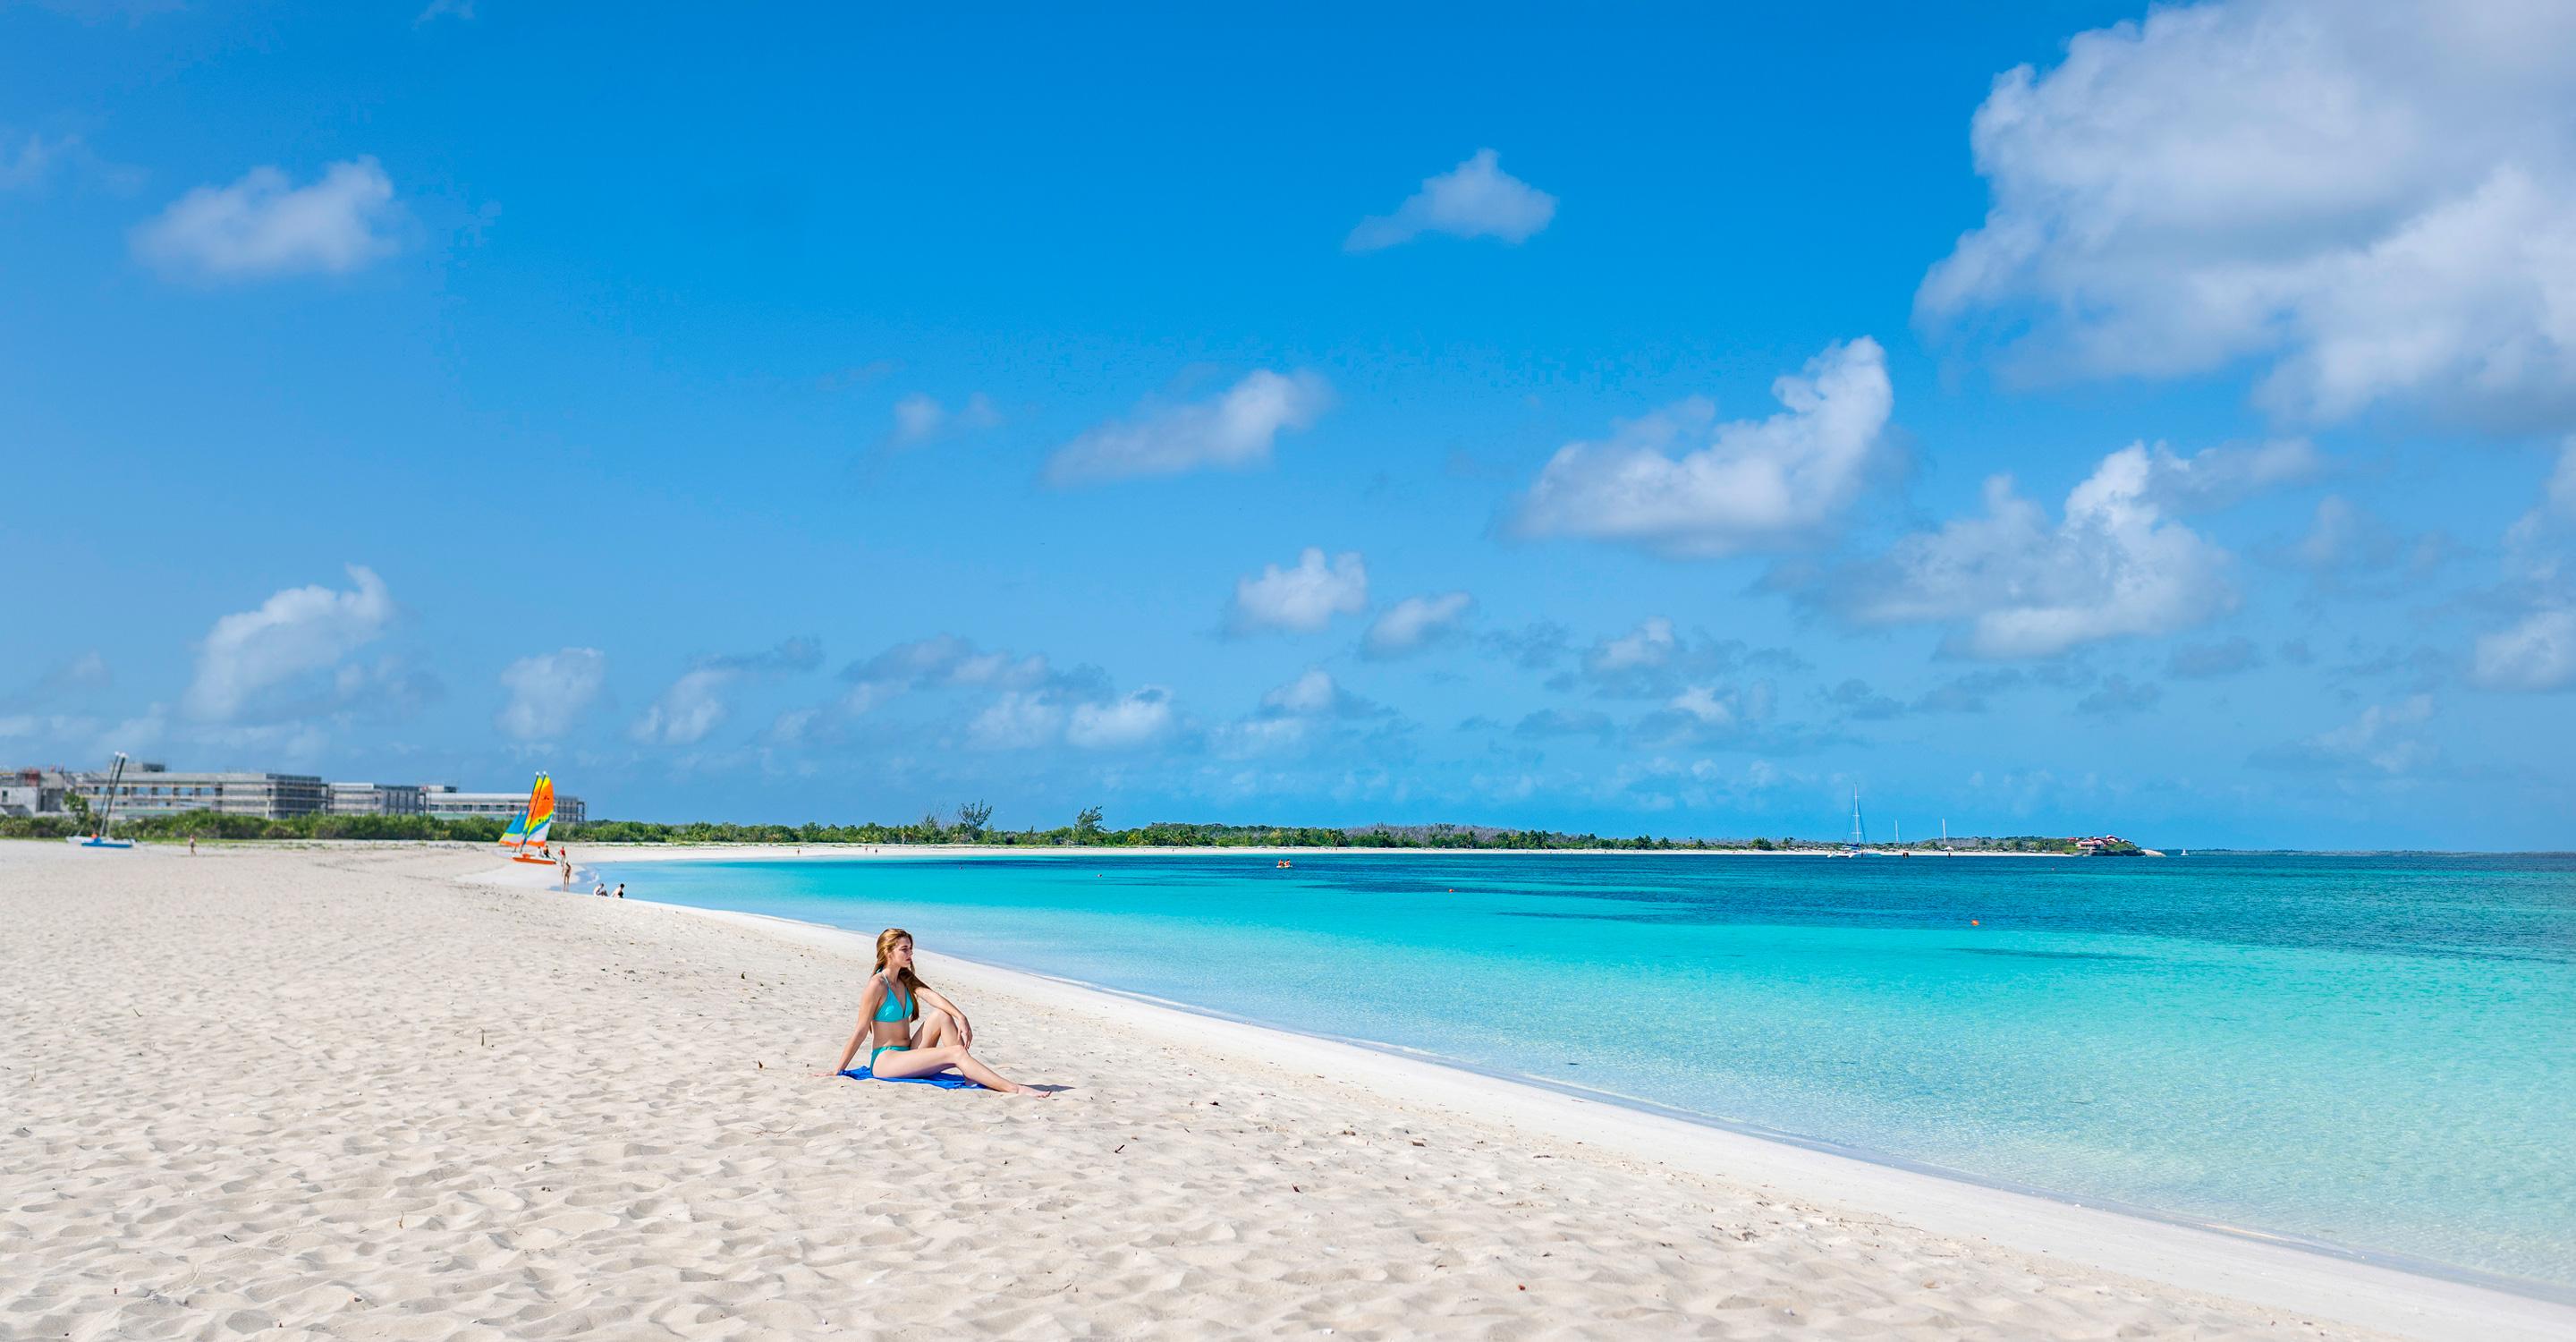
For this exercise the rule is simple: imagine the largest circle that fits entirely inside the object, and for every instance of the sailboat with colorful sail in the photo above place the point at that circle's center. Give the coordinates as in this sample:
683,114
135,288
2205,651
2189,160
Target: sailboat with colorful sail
518,829
534,823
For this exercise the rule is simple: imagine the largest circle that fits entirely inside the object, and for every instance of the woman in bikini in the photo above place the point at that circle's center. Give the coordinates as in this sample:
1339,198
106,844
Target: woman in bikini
888,1011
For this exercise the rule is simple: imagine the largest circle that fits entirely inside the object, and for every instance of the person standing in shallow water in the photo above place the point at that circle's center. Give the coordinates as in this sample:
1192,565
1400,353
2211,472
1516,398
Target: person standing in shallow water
888,1013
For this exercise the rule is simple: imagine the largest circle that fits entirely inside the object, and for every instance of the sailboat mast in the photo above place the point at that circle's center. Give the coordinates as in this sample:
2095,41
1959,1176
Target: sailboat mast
107,811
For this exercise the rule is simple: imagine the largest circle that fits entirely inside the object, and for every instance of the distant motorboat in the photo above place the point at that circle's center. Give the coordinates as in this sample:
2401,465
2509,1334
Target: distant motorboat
97,837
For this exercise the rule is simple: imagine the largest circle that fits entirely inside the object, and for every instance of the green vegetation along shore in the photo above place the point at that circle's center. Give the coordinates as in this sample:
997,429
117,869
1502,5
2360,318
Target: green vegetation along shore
969,827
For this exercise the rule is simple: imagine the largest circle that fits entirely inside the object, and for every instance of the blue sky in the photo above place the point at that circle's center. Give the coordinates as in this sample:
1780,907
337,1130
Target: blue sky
2063,419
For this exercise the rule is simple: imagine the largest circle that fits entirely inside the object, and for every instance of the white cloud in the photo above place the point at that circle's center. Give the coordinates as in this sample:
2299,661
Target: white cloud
1476,199
2559,496
2383,737
1018,720
1305,598
2345,535
453,9
2218,477
1031,719
548,690
389,686
1139,719
1233,431
692,707
29,164
2556,506
792,727
946,661
1737,486
1262,735
2537,654
1311,692
695,704
2018,586
2357,193
920,417
293,633
87,671
793,654
1655,660
1290,713
37,160
1708,714
1651,644
1705,704
263,225
44,726
67,679
917,416
1416,622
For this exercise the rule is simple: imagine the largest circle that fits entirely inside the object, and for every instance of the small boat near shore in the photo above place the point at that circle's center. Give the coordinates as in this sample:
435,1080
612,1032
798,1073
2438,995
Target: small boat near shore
526,836
98,835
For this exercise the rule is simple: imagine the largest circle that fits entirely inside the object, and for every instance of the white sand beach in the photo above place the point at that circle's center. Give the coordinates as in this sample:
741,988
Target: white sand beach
349,1092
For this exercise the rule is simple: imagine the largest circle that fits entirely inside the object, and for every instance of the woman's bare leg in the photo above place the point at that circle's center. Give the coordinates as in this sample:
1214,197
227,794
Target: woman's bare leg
924,1061
936,1029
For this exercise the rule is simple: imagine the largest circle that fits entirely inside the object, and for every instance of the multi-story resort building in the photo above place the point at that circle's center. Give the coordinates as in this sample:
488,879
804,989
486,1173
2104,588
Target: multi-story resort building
149,789
378,799
447,803
32,792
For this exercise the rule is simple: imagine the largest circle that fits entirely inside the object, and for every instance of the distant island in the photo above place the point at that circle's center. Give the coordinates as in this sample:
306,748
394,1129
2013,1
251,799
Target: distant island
971,825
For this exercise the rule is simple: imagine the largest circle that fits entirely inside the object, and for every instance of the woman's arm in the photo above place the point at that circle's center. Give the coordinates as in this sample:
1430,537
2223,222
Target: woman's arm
965,1029
867,1018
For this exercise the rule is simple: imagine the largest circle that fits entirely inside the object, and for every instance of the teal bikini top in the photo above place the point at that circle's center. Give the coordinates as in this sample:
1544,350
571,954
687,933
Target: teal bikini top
889,1010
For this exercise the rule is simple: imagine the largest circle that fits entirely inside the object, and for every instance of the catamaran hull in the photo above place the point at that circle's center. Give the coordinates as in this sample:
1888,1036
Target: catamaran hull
85,841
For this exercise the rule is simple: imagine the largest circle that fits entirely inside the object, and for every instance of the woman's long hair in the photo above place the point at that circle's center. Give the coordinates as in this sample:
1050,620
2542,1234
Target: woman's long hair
912,984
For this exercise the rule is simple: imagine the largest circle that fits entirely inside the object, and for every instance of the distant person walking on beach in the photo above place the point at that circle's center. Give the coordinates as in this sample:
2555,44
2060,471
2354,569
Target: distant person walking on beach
888,1011
566,864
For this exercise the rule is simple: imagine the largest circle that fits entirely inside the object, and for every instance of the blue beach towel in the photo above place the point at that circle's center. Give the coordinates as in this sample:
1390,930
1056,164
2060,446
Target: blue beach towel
943,1080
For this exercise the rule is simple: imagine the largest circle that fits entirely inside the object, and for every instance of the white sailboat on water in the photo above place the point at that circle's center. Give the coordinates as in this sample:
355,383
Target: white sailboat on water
97,837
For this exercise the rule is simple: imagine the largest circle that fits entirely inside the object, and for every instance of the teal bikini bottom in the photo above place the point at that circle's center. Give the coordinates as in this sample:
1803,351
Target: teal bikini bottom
886,1048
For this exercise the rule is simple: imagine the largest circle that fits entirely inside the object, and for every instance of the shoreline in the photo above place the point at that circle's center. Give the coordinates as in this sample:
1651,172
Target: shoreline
695,852
2271,1269
1023,978
323,1092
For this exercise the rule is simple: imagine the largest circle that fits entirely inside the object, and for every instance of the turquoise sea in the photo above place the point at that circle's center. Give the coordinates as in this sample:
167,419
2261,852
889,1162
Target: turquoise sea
2376,1053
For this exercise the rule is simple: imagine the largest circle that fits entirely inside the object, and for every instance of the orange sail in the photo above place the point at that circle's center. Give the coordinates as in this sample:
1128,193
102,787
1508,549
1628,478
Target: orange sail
541,812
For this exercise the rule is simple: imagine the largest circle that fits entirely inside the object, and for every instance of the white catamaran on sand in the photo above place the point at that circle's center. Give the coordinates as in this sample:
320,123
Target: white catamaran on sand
97,837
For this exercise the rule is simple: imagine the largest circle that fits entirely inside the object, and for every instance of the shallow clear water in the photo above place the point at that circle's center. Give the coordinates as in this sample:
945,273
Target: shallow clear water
2377,1052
